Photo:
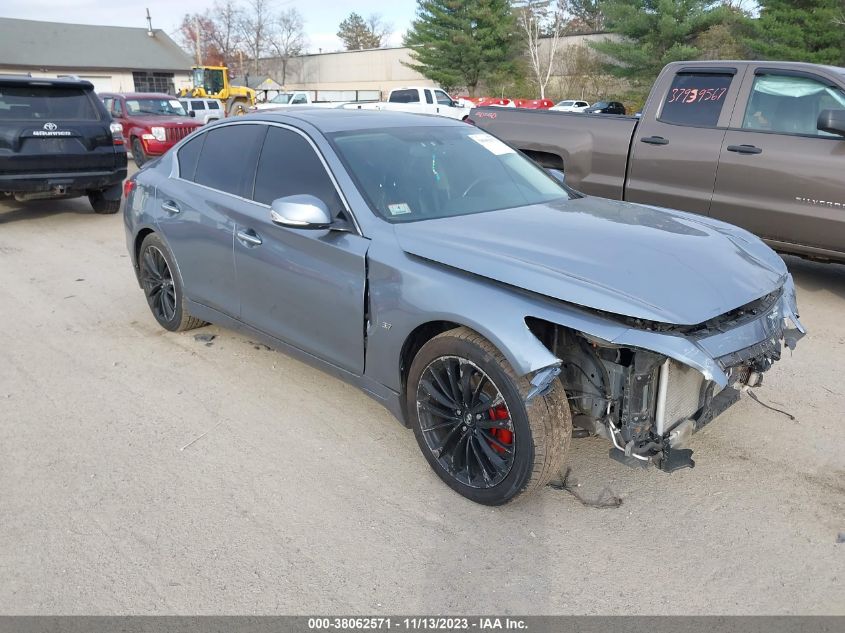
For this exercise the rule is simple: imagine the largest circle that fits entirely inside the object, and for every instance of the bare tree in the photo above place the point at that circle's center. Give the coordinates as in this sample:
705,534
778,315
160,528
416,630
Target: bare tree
254,27
380,29
287,37
542,23
226,36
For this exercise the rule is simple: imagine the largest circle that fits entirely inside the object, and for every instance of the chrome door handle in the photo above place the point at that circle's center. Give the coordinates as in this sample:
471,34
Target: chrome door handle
249,237
170,207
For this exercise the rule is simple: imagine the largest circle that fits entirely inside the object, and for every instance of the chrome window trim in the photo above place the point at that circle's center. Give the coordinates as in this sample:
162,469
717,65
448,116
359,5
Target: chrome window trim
175,172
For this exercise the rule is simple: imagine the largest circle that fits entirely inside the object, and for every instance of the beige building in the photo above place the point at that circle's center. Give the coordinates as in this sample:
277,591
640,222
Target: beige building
113,58
339,76
371,74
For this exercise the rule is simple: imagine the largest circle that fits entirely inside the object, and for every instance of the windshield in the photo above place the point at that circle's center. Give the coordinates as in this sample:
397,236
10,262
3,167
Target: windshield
420,173
601,105
209,78
283,97
566,103
159,107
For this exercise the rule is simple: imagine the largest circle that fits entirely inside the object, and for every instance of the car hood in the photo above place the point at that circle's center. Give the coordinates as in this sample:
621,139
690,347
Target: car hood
627,259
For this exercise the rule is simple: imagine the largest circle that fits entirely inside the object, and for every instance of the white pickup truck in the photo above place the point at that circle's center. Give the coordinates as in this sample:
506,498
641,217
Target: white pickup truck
419,99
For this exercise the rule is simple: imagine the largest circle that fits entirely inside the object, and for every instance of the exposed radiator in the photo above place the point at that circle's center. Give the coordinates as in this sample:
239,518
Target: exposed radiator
679,394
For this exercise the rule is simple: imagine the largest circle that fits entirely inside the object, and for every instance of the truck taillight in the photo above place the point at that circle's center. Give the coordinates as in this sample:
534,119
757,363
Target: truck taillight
116,130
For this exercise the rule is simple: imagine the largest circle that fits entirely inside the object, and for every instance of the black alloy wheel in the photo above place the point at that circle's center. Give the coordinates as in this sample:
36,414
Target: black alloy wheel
474,426
158,284
465,422
163,286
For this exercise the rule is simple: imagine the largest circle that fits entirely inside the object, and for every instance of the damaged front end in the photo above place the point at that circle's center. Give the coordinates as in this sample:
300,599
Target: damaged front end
649,389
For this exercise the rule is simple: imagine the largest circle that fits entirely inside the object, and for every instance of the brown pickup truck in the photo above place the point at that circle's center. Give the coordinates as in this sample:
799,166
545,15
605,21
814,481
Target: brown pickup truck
757,144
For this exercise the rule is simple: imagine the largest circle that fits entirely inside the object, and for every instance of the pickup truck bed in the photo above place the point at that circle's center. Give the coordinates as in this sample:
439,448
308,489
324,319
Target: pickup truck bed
757,144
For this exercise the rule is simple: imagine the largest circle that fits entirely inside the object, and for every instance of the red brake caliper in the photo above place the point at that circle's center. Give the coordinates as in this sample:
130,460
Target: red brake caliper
504,436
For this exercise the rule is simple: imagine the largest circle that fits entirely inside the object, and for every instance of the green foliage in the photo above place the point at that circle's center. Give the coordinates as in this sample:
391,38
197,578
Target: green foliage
657,32
801,30
462,43
359,34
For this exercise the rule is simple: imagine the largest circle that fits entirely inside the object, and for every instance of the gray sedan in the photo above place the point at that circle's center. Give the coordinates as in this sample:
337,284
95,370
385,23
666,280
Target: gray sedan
488,306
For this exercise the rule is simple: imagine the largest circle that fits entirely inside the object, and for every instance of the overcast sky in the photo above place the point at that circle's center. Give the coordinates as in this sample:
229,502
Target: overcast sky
321,16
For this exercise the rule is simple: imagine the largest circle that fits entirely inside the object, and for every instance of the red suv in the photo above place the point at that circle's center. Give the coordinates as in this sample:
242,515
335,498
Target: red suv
152,122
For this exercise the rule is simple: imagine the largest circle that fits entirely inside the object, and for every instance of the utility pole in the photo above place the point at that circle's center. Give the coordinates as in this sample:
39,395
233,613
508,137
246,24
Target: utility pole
197,40
150,31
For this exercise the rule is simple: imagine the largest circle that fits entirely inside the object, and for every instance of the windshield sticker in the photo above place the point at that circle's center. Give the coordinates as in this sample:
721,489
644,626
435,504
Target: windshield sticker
400,208
491,144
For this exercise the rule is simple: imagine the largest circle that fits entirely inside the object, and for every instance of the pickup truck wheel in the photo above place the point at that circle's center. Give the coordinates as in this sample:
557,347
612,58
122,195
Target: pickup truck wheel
138,152
163,286
101,204
468,412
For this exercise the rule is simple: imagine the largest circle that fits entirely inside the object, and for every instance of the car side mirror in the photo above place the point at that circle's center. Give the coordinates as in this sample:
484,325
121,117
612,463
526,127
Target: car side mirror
192,114
300,212
832,121
557,174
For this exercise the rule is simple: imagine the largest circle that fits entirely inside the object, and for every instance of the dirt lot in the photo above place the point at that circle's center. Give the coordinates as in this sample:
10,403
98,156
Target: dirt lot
149,472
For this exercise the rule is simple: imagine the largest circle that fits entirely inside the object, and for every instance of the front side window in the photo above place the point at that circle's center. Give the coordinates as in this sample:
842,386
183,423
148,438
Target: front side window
213,105
215,167
695,99
442,98
791,104
419,173
289,166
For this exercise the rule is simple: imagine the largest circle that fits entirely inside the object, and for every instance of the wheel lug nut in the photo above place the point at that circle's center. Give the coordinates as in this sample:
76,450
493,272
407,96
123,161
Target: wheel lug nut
477,416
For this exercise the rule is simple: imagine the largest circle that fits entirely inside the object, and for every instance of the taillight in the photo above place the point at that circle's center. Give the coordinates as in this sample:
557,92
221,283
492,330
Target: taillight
116,130
128,187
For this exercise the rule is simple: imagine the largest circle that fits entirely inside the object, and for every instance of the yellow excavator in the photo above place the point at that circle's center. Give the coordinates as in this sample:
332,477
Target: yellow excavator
212,82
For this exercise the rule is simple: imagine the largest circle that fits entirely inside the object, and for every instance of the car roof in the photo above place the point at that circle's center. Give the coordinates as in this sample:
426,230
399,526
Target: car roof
24,80
138,95
330,120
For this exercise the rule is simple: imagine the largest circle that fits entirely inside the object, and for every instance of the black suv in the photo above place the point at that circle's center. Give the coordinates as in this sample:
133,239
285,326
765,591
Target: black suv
57,140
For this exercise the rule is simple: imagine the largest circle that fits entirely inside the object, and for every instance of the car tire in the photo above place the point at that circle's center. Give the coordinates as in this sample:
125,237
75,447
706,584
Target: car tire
101,204
138,152
163,287
490,455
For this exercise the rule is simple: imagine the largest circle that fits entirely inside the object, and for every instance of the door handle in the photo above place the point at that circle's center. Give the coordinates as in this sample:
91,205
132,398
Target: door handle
249,237
655,140
745,149
170,207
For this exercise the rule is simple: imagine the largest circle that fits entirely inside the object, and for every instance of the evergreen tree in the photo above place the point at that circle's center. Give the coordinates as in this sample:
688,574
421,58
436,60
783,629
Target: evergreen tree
461,43
801,30
656,32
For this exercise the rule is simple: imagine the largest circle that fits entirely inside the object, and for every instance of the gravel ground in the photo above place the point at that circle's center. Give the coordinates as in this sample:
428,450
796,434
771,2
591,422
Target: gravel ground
146,472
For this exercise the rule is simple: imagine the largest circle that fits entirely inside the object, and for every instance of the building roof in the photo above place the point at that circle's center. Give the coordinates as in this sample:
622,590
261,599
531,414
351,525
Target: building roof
30,43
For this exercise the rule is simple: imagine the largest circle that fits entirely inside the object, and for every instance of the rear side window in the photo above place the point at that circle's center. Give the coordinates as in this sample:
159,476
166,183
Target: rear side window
289,166
404,96
44,103
695,99
428,97
227,160
188,155
197,105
